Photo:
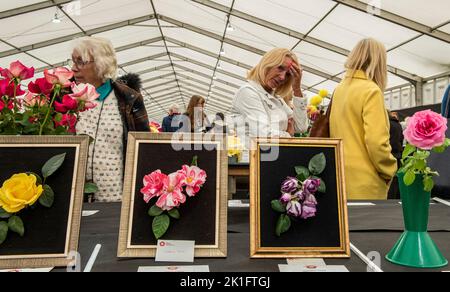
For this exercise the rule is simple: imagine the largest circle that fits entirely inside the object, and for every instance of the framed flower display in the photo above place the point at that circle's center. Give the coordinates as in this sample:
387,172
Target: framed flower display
298,202
41,196
175,189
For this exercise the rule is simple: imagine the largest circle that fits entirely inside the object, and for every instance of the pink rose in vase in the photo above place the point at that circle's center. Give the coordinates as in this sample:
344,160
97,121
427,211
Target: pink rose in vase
85,94
17,70
426,130
59,76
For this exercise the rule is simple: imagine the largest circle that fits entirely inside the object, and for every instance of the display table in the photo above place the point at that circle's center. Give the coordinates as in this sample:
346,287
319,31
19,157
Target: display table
373,228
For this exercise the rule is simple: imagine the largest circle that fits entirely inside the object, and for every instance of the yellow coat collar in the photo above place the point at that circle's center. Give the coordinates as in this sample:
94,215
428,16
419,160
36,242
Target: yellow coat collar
358,74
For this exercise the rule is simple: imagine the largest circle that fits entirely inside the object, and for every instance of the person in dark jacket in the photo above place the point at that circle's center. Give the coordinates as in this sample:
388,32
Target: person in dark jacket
396,140
120,109
446,104
171,123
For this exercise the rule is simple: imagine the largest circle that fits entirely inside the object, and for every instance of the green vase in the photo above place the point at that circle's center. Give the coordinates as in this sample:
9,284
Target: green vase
415,248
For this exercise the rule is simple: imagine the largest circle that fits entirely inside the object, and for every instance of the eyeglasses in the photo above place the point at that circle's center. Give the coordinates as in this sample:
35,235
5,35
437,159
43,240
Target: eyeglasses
80,63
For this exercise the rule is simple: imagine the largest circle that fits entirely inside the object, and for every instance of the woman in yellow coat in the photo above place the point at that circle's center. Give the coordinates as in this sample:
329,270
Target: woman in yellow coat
359,117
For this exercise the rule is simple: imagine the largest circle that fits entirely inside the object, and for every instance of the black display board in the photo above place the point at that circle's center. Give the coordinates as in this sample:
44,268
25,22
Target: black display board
325,234
198,214
45,228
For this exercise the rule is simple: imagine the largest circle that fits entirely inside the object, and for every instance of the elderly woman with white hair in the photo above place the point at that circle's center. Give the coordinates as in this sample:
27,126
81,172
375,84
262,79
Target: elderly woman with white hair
119,110
259,103
171,123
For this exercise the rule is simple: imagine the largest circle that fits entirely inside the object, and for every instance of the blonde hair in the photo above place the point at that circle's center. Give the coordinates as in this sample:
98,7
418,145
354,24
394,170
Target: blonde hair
370,56
103,54
271,59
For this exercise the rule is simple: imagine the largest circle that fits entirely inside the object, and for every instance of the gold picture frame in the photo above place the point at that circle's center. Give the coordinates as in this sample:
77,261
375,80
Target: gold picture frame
35,148
132,201
263,241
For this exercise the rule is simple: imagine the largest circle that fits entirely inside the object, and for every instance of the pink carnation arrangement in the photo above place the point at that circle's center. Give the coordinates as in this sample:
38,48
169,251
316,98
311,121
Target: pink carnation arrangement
171,191
425,132
50,106
298,194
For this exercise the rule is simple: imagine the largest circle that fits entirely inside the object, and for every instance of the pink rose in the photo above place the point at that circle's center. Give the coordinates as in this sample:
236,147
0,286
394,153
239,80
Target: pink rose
59,76
153,185
85,94
7,88
2,105
172,196
17,70
308,211
68,104
426,130
31,100
69,121
40,86
195,178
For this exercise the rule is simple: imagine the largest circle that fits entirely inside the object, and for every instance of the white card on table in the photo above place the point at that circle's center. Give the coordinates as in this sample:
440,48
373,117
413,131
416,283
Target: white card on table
179,251
39,270
90,213
175,269
310,263
360,204
237,204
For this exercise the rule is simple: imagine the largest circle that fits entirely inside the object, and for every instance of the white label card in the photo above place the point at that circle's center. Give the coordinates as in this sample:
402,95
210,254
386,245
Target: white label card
174,269
177,251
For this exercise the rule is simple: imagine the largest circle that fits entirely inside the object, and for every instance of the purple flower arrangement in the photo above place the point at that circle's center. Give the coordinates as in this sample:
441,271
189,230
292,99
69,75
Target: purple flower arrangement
298,194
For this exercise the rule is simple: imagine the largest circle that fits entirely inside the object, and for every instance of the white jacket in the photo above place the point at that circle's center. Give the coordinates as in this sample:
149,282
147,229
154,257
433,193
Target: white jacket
266,115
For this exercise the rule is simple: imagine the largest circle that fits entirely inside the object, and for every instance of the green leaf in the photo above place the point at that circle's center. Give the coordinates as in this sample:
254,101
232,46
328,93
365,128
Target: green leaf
48,197
174,213
420,165
277,206
409,149
317,164
428,183
440,149
15,224
160,225
322,187
409,178
90,188
283,224
155,211
53,165
3,231
4,214
38,178
302,172
58,117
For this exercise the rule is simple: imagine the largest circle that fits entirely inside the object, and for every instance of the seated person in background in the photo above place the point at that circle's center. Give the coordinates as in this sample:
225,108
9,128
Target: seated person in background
259,104
359,118
119,110
446,103
171,123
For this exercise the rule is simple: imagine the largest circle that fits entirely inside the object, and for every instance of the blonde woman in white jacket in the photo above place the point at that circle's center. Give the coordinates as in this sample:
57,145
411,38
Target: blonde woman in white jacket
259,103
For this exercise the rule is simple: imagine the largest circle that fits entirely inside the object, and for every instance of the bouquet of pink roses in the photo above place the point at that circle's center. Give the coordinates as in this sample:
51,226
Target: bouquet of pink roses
171,191
50,106
424,132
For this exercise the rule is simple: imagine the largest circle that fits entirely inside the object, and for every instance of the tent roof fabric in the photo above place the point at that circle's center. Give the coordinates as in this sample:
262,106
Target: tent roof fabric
175,45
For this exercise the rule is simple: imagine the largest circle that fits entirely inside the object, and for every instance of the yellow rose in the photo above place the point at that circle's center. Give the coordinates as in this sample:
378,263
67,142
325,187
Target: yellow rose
19,192
312,109
316,100
234,146
323,93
